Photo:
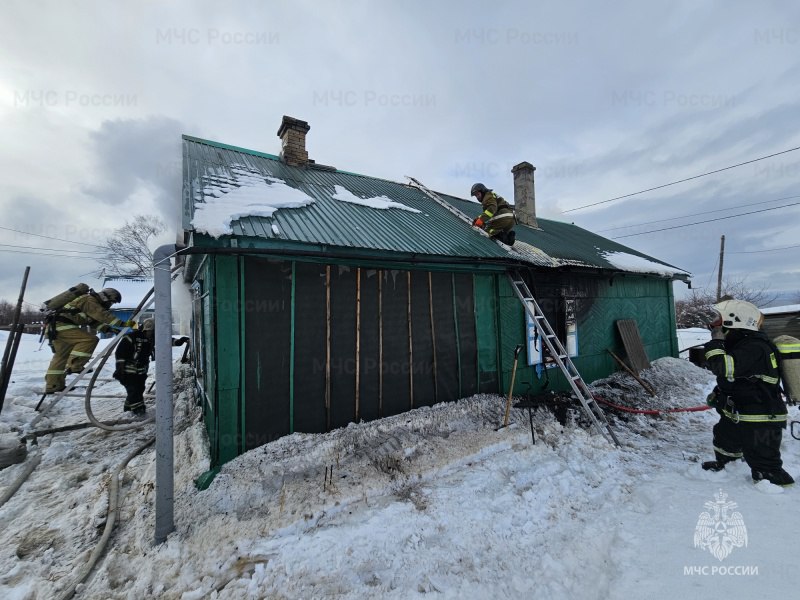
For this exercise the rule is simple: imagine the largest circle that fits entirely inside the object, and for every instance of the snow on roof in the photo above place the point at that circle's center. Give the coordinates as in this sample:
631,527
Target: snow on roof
254,197
776,310
380,202
638,264
131,289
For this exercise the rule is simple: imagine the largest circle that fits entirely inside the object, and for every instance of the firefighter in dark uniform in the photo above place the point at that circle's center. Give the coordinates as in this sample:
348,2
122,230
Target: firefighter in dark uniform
752,413
133,355
497,218
72,345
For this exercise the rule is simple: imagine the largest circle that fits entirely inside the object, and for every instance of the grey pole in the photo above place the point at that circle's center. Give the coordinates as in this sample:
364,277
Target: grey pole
165,518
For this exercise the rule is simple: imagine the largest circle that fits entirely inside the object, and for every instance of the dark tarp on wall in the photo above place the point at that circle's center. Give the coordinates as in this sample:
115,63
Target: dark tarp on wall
396,392
374,302
343,345
369,371
309,349
424,386
447,354
267,305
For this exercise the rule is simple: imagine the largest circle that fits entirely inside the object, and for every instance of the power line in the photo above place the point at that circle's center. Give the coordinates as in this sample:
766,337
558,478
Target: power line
768,250
93,252
47,254
708,212
752,212
49,237
658,187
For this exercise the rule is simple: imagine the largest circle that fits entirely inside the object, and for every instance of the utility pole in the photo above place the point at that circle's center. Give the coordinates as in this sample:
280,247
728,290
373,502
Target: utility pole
721,260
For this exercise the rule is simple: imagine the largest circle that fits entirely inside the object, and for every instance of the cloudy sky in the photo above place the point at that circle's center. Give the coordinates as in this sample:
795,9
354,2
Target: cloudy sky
604,99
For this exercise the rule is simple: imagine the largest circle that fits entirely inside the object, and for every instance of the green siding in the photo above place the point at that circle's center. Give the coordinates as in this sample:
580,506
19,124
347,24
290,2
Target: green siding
206,277
499,326
228,346
511,318
647,300
241,438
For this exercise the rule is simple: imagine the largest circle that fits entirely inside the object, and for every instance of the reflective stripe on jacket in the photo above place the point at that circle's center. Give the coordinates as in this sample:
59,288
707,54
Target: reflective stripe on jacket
746,367
494,205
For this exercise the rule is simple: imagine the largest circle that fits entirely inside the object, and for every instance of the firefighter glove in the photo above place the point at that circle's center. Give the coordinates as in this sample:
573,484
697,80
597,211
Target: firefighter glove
181,341
713,398
103,328
478,222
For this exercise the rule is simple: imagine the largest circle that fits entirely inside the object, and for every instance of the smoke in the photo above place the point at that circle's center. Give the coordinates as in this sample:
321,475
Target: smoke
181,307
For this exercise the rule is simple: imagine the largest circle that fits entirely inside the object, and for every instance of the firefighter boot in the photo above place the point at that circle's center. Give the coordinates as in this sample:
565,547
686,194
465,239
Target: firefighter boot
779,477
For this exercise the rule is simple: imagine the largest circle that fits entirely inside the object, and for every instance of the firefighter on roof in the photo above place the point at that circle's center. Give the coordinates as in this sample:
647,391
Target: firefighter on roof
497,218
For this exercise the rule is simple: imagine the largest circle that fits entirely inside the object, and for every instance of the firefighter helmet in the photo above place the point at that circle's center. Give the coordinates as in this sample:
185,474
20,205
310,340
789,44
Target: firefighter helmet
738,314
110,296
478,188
148,325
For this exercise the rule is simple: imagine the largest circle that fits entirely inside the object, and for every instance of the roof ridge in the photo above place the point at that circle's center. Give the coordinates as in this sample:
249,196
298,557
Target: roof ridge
278,159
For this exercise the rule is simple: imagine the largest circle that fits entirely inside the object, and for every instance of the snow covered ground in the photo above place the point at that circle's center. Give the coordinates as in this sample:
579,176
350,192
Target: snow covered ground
433,503
689,338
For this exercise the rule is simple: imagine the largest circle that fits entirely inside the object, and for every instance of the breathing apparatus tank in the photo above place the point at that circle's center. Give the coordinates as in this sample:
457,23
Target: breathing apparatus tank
65,297
789,349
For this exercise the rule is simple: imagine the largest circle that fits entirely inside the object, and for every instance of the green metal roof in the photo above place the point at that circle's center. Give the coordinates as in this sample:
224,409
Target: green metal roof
559,244
209,168
212,169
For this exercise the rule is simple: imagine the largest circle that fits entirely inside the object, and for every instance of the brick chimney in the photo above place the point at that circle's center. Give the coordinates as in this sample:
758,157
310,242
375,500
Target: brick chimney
524,194
293,141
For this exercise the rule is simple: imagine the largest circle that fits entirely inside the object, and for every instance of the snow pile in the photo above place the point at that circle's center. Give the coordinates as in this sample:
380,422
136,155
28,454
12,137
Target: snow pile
677,383
434,501
379,202
250,196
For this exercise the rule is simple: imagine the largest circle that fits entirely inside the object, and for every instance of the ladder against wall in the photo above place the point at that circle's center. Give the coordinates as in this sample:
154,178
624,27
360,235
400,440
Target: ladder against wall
562,359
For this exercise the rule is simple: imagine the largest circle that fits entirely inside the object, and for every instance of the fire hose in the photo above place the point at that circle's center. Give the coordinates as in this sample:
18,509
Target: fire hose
113,507
640,411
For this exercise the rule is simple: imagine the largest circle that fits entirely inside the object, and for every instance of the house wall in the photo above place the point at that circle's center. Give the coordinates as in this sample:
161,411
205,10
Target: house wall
599,303
782,324
297,346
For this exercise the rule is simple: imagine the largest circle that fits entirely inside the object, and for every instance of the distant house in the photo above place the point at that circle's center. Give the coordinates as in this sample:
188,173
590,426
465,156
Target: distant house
782,320
133,290
324,297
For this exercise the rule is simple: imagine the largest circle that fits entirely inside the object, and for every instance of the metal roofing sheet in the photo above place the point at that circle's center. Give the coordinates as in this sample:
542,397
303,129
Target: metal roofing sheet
559,244
212,169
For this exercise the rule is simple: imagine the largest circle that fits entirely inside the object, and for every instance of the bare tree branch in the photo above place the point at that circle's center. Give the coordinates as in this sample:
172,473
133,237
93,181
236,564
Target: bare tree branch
127,252
698,309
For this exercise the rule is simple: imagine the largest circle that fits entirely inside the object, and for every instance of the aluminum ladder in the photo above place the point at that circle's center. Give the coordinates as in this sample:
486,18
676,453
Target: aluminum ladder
436,198
559,354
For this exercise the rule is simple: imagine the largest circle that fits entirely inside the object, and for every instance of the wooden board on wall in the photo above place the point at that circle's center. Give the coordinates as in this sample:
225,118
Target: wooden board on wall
637,356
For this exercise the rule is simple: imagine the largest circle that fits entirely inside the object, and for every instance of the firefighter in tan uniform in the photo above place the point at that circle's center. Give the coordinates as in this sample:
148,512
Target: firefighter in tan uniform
497,218
73,346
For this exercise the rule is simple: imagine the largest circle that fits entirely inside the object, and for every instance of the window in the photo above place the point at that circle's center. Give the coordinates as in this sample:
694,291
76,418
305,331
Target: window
565,325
